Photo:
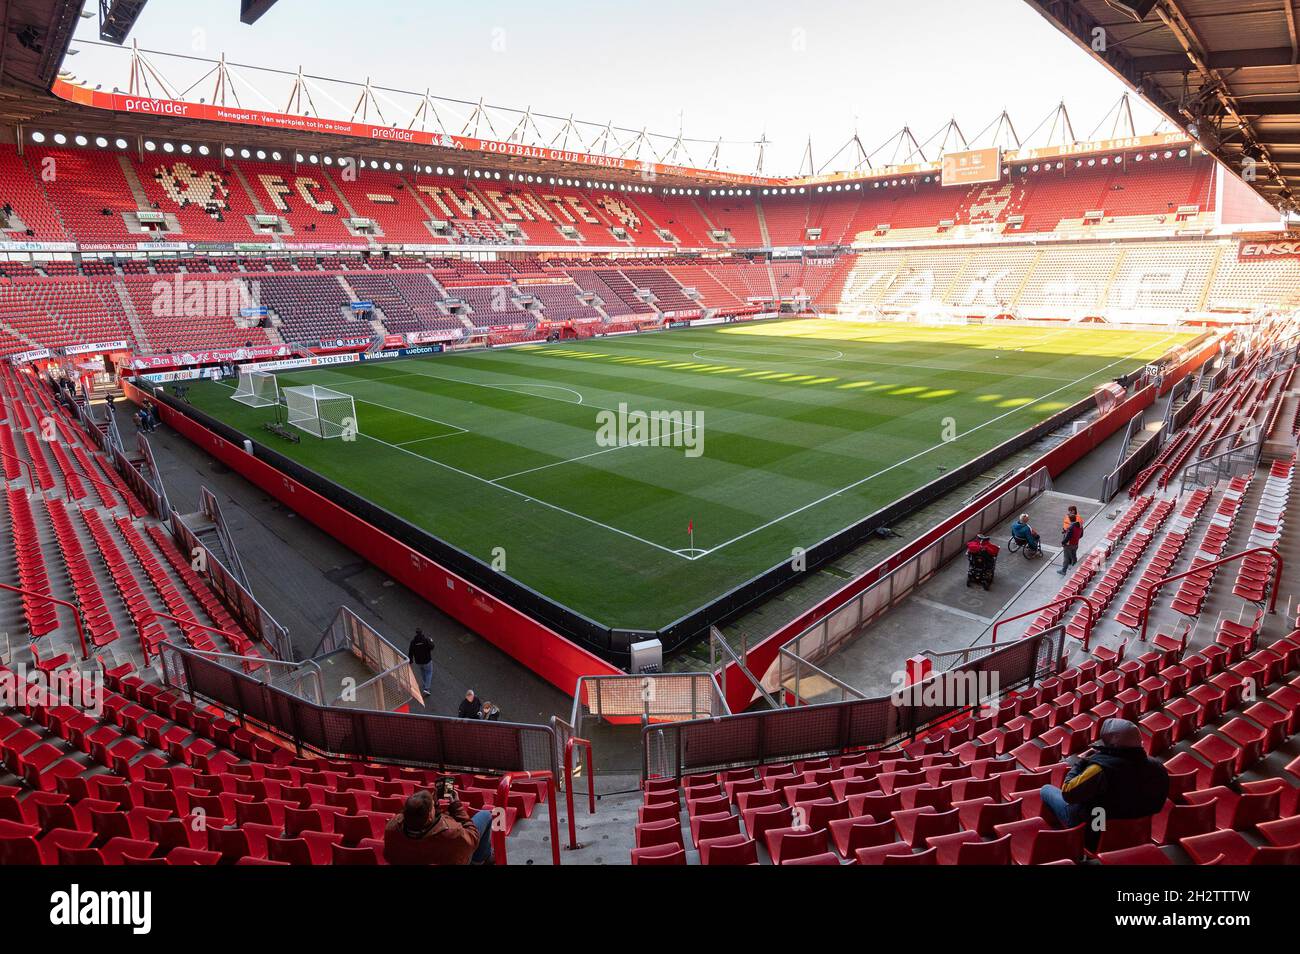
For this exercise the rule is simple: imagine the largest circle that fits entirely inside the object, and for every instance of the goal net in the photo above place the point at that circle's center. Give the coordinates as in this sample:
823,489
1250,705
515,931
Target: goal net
321,411
257,389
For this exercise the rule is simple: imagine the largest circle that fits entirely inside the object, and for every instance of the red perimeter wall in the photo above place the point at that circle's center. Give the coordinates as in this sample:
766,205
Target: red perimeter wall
547,653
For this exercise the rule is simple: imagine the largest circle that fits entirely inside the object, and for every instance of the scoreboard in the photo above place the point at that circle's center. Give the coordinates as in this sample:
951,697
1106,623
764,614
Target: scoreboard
972,166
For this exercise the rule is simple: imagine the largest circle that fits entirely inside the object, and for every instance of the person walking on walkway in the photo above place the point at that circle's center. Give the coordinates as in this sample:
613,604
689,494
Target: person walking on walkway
1071,534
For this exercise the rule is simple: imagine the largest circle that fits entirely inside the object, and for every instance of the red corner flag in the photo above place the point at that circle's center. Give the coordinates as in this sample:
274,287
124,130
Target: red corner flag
690,527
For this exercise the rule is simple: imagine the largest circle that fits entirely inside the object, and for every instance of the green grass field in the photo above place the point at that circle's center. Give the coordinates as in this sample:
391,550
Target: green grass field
804,427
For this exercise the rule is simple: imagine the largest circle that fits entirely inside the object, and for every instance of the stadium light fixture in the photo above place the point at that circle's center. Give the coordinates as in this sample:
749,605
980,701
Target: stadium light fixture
101,142
168,147
399,167
80,140
38,137
229,153
297,156
186,148
387,165
261,154
440,170
313,158
149,144
1168,153
1182,153
60,139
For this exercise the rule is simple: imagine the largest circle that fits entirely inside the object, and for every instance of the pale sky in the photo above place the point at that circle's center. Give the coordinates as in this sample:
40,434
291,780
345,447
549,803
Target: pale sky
735,70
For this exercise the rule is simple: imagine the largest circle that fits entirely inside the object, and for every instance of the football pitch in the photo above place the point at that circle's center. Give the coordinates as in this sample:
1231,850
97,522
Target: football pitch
774,435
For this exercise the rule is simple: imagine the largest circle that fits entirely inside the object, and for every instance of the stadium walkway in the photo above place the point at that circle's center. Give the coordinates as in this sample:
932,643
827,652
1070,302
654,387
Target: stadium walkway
302,576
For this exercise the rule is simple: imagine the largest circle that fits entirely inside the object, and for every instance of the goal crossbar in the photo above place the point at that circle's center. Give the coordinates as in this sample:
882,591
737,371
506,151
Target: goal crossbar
321,411
257,389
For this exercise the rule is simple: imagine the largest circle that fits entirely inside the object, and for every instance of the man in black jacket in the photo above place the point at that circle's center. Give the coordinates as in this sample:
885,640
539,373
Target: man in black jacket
471,707
421,656
1116,777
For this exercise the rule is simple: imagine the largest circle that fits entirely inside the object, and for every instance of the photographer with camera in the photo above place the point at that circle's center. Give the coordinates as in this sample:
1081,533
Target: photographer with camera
420,834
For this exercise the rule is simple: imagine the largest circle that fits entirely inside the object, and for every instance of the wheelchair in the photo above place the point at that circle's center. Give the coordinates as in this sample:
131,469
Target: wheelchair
1030,550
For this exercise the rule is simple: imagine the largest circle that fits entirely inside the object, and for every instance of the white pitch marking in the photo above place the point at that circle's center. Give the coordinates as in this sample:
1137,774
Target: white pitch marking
870,477
516,493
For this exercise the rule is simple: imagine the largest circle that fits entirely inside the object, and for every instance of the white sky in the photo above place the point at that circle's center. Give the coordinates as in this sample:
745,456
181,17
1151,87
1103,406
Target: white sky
735,70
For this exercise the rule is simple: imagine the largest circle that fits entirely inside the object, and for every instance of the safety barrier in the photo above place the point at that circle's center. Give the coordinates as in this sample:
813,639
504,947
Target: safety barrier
251,614
468,745
754,738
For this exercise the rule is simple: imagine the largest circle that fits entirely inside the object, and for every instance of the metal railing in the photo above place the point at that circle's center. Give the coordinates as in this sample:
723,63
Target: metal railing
1229,463
76,612
302,679
718,646
211,509
250,613
393,679
802,670
647,697
813,731
402,738
1145,612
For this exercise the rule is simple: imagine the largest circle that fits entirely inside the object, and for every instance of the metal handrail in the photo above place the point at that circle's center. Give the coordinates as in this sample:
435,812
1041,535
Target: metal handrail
1155,587
569,745
715,637
840,683
310,665
27,465
76,613
144,645
376,678
502,799
1092,609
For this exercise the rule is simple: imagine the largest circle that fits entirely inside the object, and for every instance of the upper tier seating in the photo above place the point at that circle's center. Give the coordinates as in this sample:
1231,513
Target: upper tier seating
213,200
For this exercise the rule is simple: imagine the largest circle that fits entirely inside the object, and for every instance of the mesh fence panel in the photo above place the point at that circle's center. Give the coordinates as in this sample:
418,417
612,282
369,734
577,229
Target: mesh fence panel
804,731
657,696
399,737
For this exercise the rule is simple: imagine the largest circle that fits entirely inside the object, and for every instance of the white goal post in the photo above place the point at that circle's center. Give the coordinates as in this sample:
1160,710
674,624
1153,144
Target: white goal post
321,411
257,389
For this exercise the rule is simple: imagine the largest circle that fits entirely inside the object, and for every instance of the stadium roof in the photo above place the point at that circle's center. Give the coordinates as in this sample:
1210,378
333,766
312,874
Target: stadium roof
36,37
1227,71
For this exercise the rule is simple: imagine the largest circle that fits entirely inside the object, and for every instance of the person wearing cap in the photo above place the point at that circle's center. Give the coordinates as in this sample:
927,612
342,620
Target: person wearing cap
1115,776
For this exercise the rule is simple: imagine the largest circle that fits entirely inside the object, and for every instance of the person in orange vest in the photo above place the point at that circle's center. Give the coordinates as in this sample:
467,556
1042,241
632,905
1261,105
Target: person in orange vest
1071,534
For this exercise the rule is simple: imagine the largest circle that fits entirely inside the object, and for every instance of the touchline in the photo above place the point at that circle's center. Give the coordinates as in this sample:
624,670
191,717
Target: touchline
75,907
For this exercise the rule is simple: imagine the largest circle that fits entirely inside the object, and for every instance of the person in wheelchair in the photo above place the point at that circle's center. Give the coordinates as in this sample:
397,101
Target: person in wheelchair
1023,534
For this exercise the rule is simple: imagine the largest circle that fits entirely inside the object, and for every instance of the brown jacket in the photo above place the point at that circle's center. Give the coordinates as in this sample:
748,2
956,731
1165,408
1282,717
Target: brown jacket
450,840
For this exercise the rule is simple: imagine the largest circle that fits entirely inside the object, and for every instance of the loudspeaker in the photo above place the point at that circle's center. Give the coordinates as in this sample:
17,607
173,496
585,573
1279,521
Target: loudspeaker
1137,9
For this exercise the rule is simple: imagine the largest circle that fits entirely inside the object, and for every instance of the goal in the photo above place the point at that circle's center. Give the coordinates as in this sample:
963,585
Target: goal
321,411
257,389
